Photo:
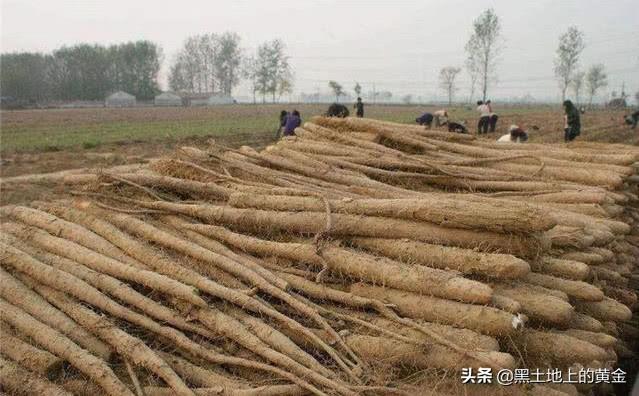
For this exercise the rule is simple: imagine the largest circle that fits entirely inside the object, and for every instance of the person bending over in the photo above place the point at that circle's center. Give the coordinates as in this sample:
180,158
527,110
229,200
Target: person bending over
515,135
572,122
425,119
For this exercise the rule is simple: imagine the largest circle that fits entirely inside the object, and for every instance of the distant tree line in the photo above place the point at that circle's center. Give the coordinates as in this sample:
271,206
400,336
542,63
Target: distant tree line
82,72
207,63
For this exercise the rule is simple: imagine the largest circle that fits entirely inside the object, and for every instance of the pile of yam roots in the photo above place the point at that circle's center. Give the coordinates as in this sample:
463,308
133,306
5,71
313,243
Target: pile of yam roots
358,257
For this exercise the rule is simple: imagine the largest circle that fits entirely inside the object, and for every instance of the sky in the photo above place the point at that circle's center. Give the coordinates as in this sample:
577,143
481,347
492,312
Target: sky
398,46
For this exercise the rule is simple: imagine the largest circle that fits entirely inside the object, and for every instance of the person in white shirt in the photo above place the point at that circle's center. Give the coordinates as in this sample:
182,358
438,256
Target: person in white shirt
484,117
441,117
515,135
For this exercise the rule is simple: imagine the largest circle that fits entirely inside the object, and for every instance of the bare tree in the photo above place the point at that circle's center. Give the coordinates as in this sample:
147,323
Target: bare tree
483,47
447,76
595,78
407,99
358,89
228,58
473,74
337,89
577,82
269,70
571,44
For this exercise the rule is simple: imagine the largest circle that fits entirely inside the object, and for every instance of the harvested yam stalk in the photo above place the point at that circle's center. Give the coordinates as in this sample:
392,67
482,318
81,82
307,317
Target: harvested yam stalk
87,293
19,294
549,348
538,306
577,289
199,376
352,225
360,266
208,190
380,349
569,237
18,381
435,209
584,257
568,269
101,263
64,229
277,340
144,255
226,325
115,288
463,337
195,251
29,356
58,344
465,261
266,390
486,320
130,347
601,339
605,310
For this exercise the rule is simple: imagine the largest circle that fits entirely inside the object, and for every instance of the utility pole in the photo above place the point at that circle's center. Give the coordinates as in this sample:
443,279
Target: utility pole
374,94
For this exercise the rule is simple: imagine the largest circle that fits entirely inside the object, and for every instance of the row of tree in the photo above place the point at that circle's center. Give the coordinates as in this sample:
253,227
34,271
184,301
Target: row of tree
216,63
208,63
82,72
483,48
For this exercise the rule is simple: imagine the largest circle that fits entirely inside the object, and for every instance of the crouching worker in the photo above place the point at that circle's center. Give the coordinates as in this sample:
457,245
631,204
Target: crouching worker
516,135
572,122
425,119
337,110
458,127
632,119
441,117
293,120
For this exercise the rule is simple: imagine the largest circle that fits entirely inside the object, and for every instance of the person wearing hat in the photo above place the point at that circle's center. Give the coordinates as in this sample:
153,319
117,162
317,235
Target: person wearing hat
515,135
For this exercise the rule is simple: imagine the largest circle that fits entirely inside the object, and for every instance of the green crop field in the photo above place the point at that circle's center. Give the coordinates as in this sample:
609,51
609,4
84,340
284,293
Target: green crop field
60,129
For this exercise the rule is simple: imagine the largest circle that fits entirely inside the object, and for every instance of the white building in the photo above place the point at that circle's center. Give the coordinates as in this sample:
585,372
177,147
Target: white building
168,99
120,99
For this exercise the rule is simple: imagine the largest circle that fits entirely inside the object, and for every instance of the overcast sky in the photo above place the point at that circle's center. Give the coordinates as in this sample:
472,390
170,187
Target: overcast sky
399,46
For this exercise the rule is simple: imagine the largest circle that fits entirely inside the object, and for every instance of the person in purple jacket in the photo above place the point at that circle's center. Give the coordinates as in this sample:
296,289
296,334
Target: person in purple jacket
293,120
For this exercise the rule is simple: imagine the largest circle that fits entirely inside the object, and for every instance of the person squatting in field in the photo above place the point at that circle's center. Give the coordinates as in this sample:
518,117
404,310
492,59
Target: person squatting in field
293,120
456,127
632,119
359,108
492,120
282,124
572,122
484,117
515,135
441,117
337,110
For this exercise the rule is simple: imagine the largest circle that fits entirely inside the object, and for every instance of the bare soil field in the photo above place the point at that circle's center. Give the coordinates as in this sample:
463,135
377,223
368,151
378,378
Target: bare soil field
39,141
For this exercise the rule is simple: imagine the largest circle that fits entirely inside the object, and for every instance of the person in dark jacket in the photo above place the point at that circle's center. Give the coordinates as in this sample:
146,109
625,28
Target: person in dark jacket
572,126
425,119
458,127
293,120
282,124
632,119
492,121
359,108
337,110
